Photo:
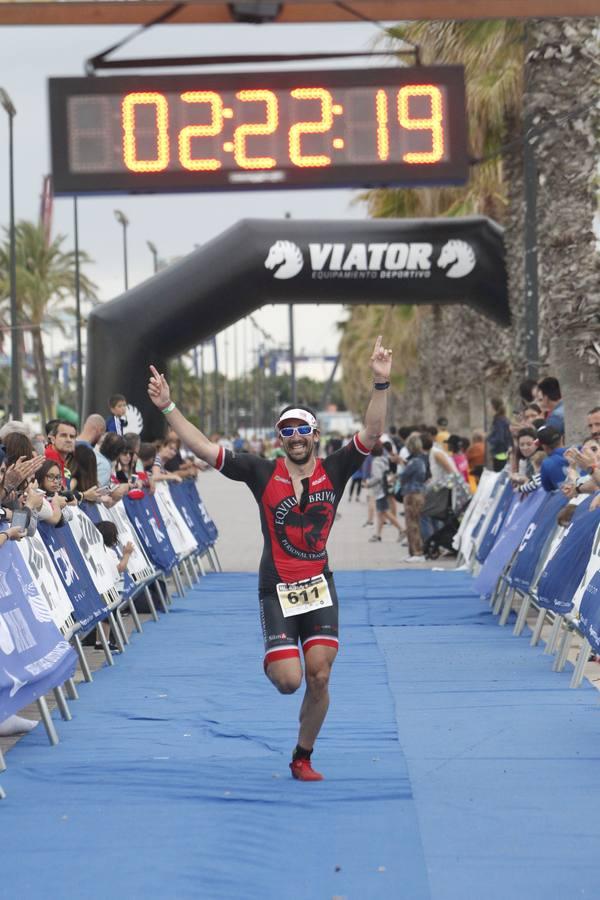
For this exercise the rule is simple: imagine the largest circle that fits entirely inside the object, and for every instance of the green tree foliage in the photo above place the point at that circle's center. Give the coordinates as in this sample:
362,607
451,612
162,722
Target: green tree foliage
492,54
45,282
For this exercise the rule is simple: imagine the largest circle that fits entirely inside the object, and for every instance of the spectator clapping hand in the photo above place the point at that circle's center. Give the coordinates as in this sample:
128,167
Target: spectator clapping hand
33,497
21,471
581,458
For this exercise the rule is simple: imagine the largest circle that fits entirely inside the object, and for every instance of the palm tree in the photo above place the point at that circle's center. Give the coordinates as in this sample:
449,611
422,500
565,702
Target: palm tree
439,372
45,280
561,101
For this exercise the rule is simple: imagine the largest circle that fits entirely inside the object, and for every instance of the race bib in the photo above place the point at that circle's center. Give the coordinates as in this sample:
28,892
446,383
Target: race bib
304,596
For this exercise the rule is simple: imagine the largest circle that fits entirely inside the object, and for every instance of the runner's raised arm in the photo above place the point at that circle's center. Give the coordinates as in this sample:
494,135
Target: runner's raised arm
192,437
380,364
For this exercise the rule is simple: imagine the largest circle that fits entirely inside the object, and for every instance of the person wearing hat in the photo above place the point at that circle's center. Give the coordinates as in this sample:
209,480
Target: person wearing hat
297,495
554,468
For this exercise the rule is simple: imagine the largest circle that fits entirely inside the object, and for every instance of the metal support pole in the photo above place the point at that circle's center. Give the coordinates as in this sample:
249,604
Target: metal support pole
121,626
116,632
216,417
292,355
61,702
163,596
47,720
71,689
124,222
83,663
150,602
531,251
537,630
135,617
186,573
550,647
15,366
584,652
78,314
522,617
202,391
109,658
507,607
178,583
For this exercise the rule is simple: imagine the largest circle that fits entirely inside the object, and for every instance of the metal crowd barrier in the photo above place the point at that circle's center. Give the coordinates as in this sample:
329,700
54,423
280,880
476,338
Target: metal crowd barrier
189,568
507,598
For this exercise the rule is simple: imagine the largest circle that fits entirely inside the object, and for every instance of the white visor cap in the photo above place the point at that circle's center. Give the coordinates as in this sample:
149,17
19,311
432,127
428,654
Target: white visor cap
302,414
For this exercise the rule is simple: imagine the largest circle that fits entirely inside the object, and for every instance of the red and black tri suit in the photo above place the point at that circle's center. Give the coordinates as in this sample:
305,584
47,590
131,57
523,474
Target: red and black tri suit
295,537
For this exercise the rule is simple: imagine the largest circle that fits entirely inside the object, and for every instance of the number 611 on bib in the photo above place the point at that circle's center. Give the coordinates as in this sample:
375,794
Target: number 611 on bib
304,596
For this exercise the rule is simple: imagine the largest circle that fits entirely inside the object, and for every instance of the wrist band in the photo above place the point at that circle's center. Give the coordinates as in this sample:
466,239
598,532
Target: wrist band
381,385
168,409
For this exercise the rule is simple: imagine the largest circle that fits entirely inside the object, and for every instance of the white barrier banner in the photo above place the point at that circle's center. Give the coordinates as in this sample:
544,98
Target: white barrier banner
181,537
45,577
478,508
100,564
139,566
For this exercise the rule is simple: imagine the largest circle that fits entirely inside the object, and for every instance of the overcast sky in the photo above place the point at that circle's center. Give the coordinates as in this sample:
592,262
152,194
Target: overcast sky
175,223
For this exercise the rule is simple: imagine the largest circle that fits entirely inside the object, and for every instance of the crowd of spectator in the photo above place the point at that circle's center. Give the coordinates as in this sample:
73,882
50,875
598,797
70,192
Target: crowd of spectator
432,472
44,476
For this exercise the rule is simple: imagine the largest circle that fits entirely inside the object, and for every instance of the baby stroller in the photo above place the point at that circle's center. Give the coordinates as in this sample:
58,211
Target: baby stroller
445,505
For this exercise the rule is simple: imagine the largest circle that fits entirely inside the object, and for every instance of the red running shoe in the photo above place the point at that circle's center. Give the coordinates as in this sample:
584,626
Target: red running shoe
302,770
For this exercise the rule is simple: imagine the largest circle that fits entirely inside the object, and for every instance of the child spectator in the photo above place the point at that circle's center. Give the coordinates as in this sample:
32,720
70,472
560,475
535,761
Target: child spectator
456,447
165,452
117,422
108,530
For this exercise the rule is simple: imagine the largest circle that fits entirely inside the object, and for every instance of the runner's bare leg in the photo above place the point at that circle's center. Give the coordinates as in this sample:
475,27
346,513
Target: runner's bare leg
318,662
285,674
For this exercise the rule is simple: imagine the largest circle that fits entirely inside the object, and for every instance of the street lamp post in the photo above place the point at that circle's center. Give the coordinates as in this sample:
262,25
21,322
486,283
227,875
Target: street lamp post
124,221
152,248
78,313
15,368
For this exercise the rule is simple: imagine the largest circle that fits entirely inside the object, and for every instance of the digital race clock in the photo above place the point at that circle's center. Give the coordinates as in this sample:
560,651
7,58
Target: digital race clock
354,127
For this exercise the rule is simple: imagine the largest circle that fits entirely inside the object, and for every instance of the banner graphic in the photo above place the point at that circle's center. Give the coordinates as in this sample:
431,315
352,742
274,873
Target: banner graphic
43,572
34,657
145,517
562,574
88,605
515,525
181,537
530,553
139,567
98,561
496,523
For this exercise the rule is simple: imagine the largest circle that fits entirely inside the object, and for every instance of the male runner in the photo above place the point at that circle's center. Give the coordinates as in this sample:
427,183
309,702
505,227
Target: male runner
297,496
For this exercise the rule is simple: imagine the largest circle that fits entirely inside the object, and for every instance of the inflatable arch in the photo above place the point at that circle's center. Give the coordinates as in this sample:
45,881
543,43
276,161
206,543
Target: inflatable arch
261,261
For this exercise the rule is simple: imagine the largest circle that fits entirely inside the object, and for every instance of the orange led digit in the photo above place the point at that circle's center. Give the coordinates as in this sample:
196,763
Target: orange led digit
434,123
128,108
187,134
319,127
255,128
383,131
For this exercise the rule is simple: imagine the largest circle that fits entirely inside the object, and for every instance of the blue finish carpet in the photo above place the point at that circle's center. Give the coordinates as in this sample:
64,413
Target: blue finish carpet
457,764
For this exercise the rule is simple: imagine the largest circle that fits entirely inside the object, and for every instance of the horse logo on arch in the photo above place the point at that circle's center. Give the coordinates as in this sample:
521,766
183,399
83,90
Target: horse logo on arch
284,259
457,258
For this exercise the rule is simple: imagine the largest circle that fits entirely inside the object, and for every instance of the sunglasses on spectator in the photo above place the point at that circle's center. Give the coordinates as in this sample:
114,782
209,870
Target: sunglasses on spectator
288,430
